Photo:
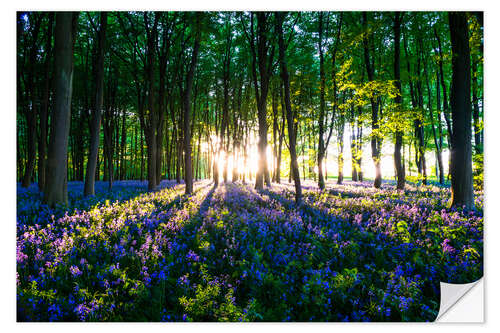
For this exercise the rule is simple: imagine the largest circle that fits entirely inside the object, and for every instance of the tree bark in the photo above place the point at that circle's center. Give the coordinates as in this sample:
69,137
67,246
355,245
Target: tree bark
462,193
478,142
375,136
289,115
31,115
188,171
44,111
265,59
56,185
321,140
151,121
400,172
98,69
440,131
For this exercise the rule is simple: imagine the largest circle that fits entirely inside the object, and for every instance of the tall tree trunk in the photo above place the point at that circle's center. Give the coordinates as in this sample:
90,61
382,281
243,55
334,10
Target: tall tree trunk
56,184
439,166
178,160
98,69
197,177
443,86
375,136
150,129
265,68
462,193
419,128
321,139
354,171
440,131
289,115
141,133
188,171
123,147
340,142
281,136
400,171
275,129
31,115
44,111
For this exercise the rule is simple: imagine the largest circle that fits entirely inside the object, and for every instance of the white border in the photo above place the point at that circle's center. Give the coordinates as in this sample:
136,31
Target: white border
7,166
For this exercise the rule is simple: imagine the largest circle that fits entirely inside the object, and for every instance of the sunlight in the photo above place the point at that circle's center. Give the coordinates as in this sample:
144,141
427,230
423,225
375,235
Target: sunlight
237,159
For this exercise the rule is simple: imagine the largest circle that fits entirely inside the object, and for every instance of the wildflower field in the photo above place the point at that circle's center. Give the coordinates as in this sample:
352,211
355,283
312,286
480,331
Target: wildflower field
349,253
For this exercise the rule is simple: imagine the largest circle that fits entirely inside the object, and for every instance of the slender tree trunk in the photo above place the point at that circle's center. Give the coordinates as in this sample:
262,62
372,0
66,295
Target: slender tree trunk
340,142
44,111
354,172
280,146
150,129
188,172
265,69
198,156
31,115
375,136
321,140
98,69
275,140
440,130
462,193
289,115
439,162
478,143
400,171
359,148
56,185
141,132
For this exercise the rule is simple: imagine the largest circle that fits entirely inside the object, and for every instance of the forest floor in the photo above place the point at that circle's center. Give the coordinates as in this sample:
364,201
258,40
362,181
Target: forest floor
349,253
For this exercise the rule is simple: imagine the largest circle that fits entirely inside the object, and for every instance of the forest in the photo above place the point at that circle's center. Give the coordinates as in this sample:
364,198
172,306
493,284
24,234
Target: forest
247,166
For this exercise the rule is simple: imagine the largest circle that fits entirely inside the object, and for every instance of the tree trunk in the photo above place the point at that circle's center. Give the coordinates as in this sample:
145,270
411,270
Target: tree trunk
462,193
375,136
150,129
340,142
141,133
440,130
98,69
265,69
31,115
400,171
44,111
321,140
56,185
439,162
478,143
188,171
289,115
354,172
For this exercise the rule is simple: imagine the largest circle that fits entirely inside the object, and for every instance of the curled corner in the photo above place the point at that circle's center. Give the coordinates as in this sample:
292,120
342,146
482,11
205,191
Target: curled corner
461,302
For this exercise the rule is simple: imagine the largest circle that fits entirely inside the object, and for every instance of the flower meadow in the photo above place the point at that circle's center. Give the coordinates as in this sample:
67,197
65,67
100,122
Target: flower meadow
348,253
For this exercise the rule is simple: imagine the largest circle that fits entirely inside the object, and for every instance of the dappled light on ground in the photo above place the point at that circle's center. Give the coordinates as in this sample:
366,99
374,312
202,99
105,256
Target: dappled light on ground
233,254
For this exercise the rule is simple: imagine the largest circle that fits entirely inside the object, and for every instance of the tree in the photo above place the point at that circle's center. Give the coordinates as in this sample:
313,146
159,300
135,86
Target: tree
462,193
186,98
376,141
400,171
321,141
56,186
262,56
44,110
31,114
98,79
289,114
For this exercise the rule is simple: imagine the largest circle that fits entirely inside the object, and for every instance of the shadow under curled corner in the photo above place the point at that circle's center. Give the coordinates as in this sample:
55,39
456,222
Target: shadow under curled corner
461,303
